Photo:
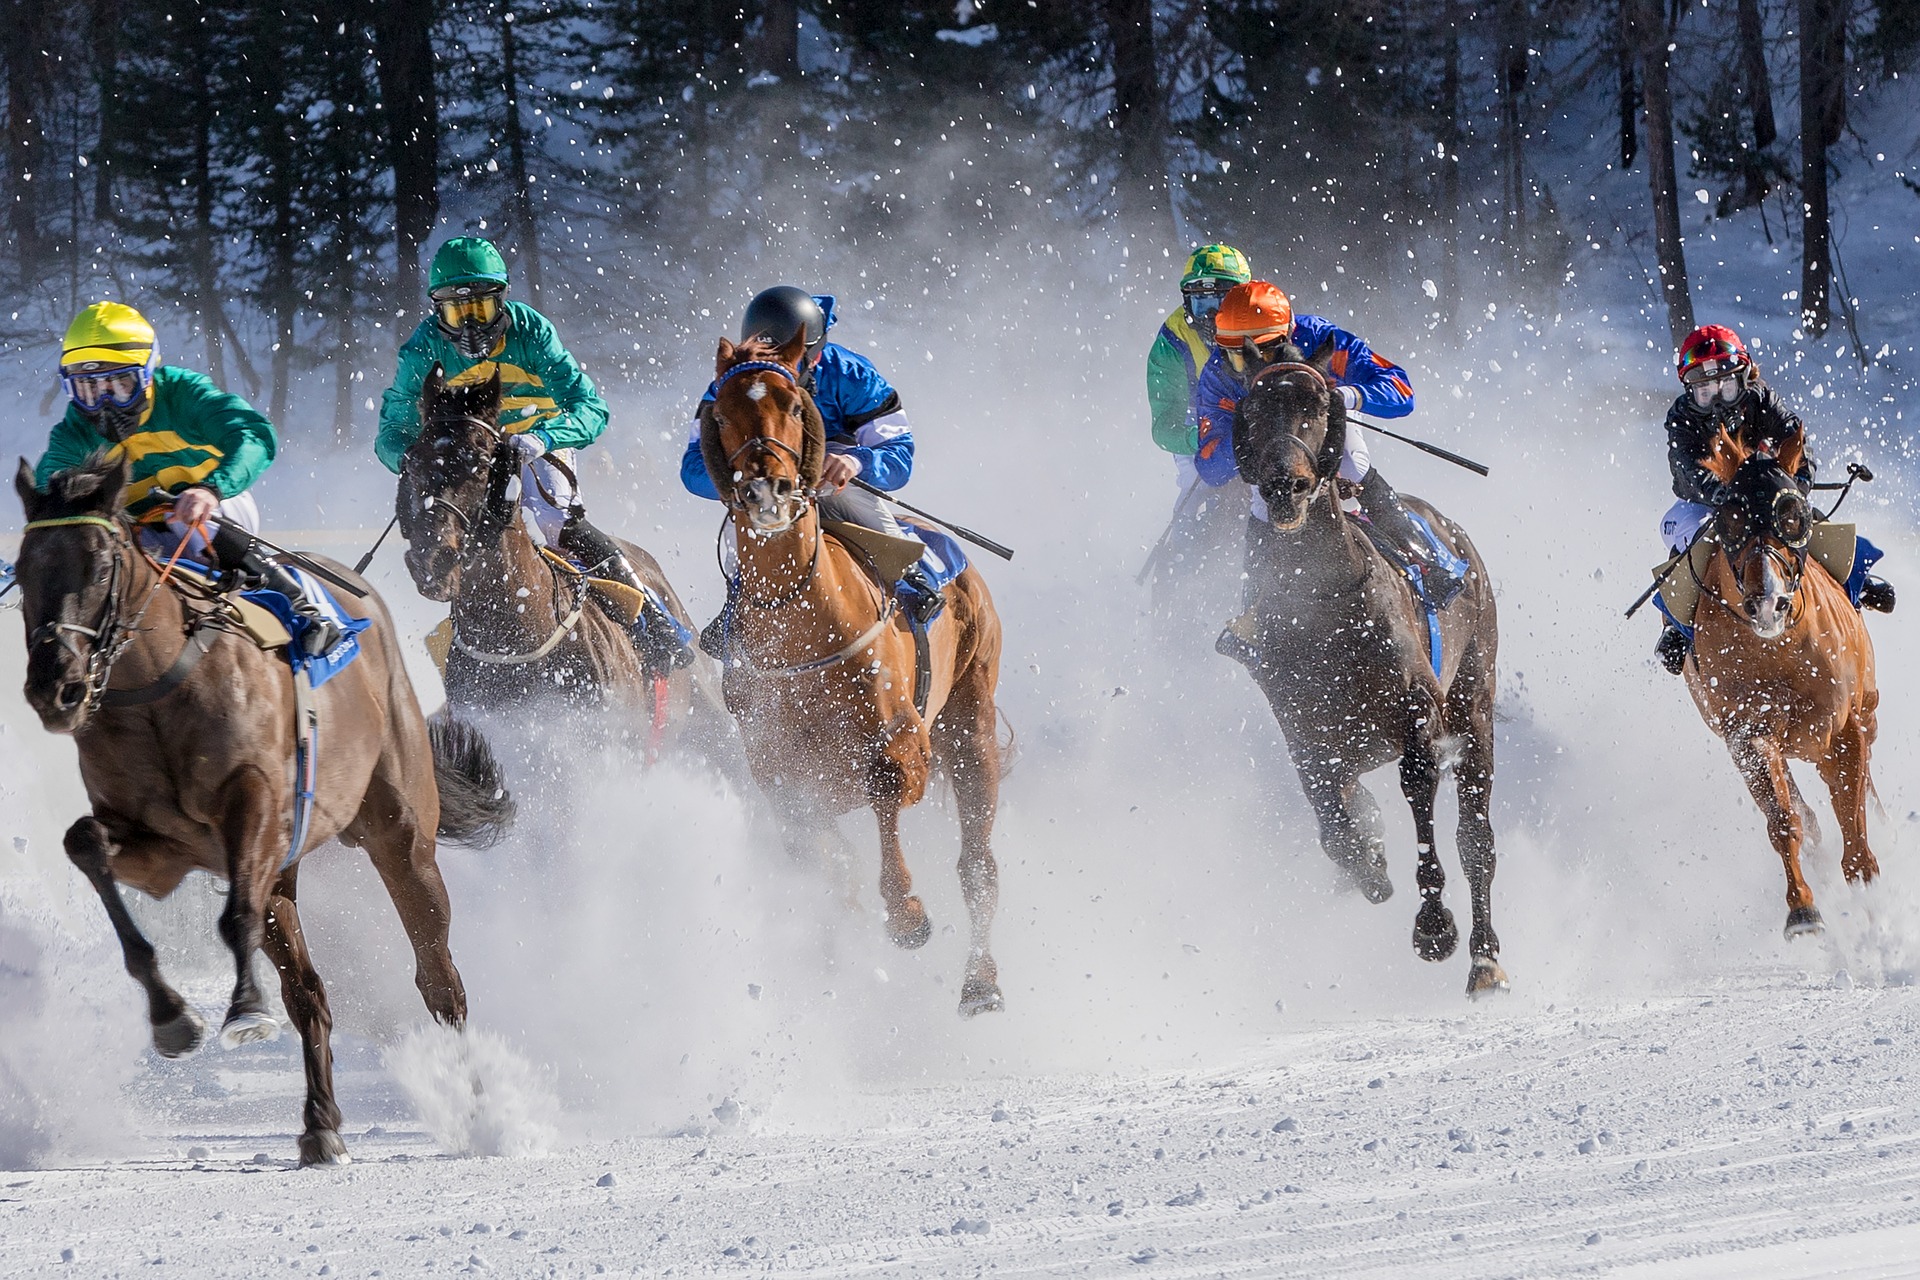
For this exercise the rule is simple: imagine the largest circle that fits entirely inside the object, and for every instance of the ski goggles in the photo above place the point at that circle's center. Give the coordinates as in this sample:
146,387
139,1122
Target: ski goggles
121,387
464,305
1203,301
1252,356
1712,381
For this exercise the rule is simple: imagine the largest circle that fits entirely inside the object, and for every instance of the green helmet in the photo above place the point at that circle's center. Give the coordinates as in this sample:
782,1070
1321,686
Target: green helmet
466,260
1215,262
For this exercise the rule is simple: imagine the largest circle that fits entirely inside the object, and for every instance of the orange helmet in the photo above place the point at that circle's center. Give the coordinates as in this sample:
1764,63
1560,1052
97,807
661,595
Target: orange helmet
1255,311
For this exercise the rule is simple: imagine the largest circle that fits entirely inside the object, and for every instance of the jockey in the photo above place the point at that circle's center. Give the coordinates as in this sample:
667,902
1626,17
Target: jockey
192,449
867,431
1181,349
548,408
1723,389
1255,327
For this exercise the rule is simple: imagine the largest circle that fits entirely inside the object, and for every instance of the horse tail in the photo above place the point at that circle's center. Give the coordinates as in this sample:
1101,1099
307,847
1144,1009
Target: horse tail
475,809
1009,746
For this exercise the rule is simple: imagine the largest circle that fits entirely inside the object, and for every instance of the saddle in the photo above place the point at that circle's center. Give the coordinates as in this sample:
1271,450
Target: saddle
1415,575
1834,545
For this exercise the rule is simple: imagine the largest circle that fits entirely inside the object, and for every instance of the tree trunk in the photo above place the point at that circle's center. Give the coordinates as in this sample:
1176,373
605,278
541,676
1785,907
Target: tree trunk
1629,93
1139,117
1452,15
203,249
104,40
1510,81
780,38
1647,34
22,39
403,51
1823,114
527,231
1753,74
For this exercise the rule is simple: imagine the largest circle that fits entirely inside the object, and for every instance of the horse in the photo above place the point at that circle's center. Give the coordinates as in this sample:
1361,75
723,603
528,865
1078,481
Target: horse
824,687
1343,660
185,731
523,627
1782,666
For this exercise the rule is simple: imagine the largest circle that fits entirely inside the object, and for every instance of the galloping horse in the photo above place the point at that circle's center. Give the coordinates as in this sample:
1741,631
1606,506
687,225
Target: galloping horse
186,737
1345,660
1782,665
825,692
523,627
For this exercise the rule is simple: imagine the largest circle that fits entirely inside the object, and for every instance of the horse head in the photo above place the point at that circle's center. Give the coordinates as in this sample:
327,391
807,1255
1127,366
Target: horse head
761,435
455,474
1289,432
72,582
1764,529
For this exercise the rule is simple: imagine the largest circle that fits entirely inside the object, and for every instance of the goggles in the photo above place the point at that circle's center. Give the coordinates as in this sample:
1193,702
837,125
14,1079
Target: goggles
120,388
463,305
1202,306
1721,381
1251,355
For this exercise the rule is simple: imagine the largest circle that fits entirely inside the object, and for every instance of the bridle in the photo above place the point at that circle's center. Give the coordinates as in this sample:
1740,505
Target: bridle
1790,558
1285,369
762,445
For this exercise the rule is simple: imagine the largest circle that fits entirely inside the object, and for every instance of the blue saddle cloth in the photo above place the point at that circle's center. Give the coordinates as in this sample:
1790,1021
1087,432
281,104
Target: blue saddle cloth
1865,556
944,559
1417,581
326,666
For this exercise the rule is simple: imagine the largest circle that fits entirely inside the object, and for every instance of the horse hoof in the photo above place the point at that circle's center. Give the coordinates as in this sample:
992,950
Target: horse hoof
917,927
1374,883
1804,922
1485,978
978,997
1435,943
322,1146
246,1028
180,1036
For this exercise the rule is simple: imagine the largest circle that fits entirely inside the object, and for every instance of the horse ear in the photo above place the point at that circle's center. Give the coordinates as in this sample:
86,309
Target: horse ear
723,358
794,350
30,495
1335,445
1793,452
1322,357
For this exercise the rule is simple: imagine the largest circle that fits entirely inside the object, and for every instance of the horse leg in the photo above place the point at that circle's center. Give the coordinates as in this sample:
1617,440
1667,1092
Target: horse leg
1470,716
1434,933
964,735
388,827
1763,766
306,1000
907,922
1844,770
1350,832
250,819
177,1029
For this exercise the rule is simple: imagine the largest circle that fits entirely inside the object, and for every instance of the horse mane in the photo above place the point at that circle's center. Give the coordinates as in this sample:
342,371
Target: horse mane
813,441
89,487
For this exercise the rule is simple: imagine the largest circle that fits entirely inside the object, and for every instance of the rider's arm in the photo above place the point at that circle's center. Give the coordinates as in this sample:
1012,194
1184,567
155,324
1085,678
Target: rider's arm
71,444
1214,398
400,403
856,401
240,431
1382,387
1170,394
1778,424
693,463
582,414
1691,481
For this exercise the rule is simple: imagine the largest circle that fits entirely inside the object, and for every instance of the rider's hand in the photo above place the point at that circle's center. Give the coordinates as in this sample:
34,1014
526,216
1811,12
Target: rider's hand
528,445
191,506
837,470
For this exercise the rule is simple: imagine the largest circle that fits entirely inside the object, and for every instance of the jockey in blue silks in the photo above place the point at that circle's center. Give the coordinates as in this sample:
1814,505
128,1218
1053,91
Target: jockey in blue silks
868,435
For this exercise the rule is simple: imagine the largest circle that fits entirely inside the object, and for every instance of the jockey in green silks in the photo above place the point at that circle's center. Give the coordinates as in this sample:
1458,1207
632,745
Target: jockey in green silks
192,451
548,408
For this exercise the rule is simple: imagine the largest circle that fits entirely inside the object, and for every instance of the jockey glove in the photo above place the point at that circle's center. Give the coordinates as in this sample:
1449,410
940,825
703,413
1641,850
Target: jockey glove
528,445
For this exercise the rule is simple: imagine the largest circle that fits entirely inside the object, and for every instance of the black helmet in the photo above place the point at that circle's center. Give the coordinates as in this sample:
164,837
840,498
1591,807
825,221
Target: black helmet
778,313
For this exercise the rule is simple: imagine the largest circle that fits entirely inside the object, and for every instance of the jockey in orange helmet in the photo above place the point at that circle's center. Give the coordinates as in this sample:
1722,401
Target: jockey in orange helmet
1723,388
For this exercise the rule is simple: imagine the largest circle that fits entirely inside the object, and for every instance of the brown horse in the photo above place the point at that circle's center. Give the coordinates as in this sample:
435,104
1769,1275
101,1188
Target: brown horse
523,628
825,691
1782,666
186,736
1344,661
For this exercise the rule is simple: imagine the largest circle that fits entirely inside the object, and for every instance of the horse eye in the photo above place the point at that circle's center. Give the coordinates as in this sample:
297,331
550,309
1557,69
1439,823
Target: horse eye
428,504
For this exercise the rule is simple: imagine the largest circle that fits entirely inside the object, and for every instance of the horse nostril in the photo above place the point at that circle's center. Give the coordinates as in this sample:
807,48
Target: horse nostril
1301,484
782,488
71,694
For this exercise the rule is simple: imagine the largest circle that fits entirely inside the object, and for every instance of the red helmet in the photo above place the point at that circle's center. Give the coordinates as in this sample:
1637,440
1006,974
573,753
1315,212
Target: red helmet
1710,351
1255,311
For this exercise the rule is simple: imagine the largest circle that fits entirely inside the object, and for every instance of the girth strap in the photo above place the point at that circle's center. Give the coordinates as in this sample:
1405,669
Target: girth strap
199,640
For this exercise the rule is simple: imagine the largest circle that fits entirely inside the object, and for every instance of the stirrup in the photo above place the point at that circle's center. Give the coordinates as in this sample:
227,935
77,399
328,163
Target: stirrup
918,598
322,632
661,638
1877,594
1236,641
1672,648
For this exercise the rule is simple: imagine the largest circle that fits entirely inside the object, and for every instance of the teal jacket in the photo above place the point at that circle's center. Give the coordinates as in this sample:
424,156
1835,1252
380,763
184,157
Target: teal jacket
542,387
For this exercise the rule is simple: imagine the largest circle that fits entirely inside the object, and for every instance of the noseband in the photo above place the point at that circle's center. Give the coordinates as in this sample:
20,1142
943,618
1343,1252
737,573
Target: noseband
1792,561
109,635
763,444
1283,372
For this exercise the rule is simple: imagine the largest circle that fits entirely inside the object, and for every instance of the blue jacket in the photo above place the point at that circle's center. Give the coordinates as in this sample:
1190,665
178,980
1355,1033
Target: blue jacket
861,411
1385,391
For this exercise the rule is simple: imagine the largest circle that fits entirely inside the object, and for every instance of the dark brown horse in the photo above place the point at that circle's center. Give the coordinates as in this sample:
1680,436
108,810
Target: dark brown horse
825,691
1344,661
1782,665
523,627
186,736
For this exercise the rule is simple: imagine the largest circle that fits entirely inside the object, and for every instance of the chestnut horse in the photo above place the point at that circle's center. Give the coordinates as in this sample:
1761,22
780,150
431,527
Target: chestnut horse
1344,661
824,693
1782,666
523,628
186,737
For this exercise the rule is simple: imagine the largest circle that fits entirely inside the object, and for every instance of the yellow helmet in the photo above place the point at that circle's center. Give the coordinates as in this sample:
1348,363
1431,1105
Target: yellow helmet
107,335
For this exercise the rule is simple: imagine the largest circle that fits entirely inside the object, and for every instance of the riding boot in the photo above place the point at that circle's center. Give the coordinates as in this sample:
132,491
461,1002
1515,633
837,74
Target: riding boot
235,550
1877,594
1236,639
1672,648
1396,524
918,597
662,639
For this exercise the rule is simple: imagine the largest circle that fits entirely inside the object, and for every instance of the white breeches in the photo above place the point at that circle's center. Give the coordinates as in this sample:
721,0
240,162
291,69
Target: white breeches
240,510
1355,462
857,506
550,516
1682,521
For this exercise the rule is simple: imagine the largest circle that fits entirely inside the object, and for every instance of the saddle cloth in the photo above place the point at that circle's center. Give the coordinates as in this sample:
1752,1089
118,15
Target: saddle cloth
267,618
1423,597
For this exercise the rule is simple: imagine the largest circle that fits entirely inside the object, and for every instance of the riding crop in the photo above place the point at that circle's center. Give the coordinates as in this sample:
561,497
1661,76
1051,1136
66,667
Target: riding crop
360,566
1667,572
317,570
1166,536
1855,471
1422,445
1005,553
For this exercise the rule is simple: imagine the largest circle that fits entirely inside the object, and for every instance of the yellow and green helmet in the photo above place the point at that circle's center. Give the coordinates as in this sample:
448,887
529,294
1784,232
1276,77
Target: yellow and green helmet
1218,265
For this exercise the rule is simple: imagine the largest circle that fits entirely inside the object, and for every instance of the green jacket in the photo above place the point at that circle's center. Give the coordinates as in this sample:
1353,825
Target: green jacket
542,387
194,433
1173,367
